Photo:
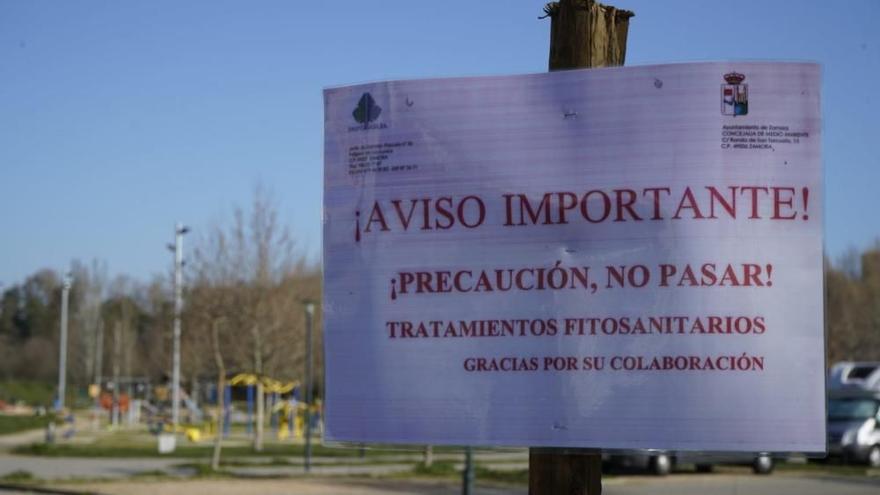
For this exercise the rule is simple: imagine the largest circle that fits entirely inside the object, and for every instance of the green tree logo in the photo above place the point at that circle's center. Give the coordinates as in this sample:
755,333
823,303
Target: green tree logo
366,110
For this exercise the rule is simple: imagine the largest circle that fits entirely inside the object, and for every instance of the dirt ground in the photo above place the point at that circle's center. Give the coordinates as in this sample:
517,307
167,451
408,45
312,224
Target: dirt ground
302,486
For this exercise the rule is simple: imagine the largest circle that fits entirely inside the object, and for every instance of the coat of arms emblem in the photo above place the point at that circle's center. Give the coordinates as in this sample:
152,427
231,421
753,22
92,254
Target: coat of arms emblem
734,95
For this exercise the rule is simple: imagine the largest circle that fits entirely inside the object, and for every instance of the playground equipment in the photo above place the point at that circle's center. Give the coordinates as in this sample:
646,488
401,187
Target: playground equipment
273,390
270,385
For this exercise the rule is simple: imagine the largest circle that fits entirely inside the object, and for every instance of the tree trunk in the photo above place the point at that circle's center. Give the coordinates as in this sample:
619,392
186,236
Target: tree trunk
258,370
221,396
117,356
99,370
258,420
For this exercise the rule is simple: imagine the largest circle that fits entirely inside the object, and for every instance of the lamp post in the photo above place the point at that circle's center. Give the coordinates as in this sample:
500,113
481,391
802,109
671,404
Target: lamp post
62,347
310,311
179,230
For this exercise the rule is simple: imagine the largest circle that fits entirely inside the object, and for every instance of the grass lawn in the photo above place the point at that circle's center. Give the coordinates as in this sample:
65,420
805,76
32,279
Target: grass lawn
32,393
141,444
119,447
14,424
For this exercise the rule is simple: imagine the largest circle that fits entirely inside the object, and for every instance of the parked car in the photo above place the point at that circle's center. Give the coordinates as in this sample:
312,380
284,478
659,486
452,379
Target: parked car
854,412
662,462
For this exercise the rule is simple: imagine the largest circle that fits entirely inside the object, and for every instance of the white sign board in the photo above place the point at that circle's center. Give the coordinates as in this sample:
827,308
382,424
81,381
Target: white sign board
610,258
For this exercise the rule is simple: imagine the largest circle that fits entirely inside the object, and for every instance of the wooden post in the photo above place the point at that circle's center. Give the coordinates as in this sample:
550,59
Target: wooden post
565,471
583,33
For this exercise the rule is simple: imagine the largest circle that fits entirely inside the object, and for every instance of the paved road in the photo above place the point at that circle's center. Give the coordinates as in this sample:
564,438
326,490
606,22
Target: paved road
330,483
681,484
722,484
712,484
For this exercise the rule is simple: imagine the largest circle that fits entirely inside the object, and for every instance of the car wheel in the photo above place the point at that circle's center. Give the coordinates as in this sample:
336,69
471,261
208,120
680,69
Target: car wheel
661,465
705,468
763,464
874,457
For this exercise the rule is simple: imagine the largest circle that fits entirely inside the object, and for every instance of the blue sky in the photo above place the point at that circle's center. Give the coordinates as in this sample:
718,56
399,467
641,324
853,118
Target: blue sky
119,118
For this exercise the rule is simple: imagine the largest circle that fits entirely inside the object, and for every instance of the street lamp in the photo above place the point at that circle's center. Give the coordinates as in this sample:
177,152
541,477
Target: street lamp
310,311
177,248
62,347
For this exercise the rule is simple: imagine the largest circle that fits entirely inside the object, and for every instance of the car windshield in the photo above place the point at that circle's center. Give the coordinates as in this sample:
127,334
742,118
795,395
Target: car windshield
844,409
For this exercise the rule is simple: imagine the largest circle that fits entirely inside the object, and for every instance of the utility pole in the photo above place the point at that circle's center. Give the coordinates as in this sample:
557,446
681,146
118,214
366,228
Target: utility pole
62,346
179,230
467,475
583,33
310,310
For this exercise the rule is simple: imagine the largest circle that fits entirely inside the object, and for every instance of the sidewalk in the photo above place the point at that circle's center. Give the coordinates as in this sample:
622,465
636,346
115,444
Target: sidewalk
58,468
8,442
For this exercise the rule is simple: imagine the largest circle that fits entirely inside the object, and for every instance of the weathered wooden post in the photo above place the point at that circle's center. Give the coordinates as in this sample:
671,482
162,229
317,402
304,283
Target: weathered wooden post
583,33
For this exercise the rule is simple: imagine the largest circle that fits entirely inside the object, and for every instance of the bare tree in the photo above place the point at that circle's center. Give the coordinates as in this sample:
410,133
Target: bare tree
853,306
212,306
253,256
221,386
90,283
